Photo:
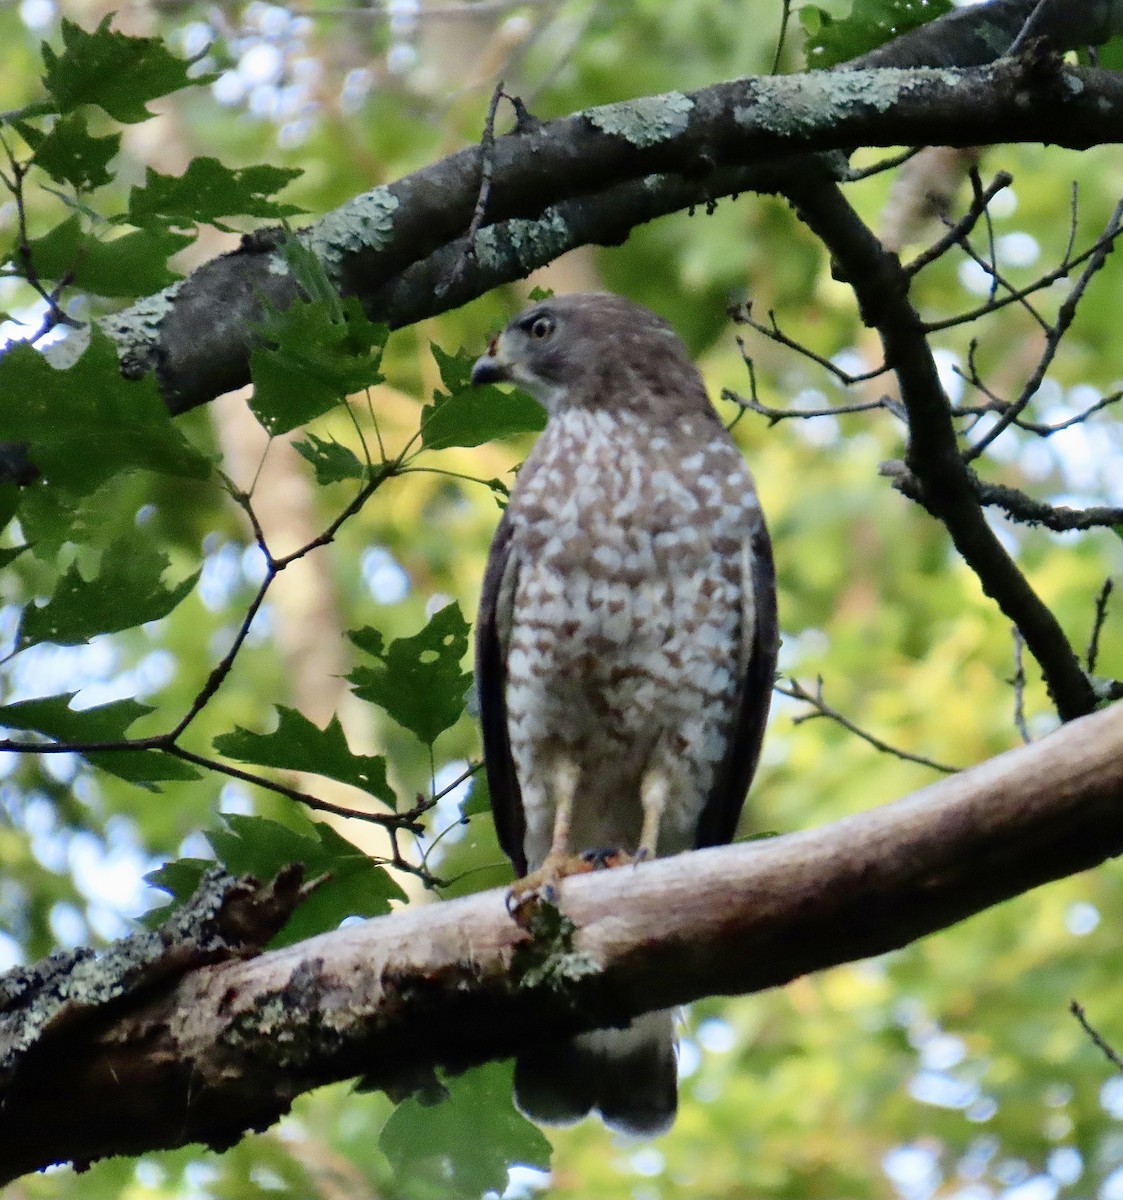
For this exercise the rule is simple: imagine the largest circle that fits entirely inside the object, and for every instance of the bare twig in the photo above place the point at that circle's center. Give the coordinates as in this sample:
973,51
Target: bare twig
1065,315
933,457
957,234
1016,504
487,166
1097,1039
1062,271
1018,682
742,314
1093,652
820,708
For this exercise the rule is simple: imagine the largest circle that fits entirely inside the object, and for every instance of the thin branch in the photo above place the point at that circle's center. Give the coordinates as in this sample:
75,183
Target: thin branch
1099,1042
882,165
1063,271
742,314
1013,502
487,166
1093,652
958,233
933,457
1065,315
1018,683
820,708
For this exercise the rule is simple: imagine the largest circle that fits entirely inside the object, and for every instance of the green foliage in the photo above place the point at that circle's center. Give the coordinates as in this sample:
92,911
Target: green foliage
125,266
463,415
314,358
418,680
126,591
463,1145
112,70
351,885
54,717
871,23
332,461
207,191
70,153
298,745
806,1091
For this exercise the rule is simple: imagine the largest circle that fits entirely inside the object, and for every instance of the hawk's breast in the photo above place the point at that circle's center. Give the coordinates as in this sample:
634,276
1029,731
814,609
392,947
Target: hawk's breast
631,615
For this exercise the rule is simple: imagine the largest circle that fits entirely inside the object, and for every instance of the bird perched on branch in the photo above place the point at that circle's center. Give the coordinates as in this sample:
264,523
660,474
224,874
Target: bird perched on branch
626,645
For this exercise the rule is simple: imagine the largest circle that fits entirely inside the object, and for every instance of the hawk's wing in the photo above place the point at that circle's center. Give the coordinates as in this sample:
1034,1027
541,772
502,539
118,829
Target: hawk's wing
493,635
718,821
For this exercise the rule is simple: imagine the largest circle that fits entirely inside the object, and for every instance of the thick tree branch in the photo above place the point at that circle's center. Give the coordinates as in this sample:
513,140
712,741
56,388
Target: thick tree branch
227,1047
680,149
933,458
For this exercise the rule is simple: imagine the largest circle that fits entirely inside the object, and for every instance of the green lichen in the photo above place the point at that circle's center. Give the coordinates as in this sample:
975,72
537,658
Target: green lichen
646,121
793,104
364,223
528,243
136,330
549,960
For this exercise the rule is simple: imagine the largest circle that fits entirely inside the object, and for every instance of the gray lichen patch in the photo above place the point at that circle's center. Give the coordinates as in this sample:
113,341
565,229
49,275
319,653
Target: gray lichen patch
136,330
790,105
36,998
527,243
364,223
646,121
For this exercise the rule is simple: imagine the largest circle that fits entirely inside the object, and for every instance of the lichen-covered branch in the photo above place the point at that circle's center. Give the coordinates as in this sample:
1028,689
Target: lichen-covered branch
227,1047
682,149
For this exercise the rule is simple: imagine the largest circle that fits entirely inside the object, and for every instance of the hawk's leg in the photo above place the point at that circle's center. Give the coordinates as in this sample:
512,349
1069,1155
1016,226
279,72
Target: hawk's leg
559,861
653,800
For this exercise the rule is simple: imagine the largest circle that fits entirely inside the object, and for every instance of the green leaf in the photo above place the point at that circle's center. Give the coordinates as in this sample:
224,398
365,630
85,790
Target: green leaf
134,264
469,416
478,799
69,153
298,745
87,423
310,276
465,1144
419,683
127,591
117,72
333,462
871,23
207,191
314,362
357,887
179,878
145,768
53,716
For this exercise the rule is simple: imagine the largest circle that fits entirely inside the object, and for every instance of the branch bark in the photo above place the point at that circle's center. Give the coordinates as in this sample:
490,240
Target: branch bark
227,1047
570,181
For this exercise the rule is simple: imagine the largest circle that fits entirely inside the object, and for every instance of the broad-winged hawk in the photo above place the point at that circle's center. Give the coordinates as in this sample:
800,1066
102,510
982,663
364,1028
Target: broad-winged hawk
626,643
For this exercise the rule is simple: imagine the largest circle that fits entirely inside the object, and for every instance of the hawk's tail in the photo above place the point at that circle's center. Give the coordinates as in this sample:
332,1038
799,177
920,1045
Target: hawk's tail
627,1075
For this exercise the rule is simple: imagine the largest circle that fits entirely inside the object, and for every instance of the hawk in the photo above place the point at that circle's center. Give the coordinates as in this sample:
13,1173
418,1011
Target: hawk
625,647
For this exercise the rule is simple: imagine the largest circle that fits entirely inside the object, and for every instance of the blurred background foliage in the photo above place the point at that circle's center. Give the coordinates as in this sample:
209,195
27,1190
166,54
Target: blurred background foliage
949,1069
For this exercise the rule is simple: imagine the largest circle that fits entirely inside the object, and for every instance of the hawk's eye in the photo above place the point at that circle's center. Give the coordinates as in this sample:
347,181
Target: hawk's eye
542,328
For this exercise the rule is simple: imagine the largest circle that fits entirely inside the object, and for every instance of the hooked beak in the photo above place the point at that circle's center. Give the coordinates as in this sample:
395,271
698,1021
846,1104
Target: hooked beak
490,367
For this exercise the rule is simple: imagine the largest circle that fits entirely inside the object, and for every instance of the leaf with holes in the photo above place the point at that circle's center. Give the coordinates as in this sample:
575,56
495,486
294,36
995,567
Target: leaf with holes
418,681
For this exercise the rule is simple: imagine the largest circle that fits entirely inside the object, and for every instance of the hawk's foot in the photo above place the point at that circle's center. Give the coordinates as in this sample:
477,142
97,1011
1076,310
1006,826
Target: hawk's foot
545,881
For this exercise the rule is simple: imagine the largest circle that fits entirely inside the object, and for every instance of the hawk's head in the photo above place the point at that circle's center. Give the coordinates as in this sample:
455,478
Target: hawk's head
594,350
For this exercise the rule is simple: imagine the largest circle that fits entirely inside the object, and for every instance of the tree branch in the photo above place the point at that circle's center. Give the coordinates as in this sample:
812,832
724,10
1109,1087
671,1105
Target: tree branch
557,184
945,488
227,1047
